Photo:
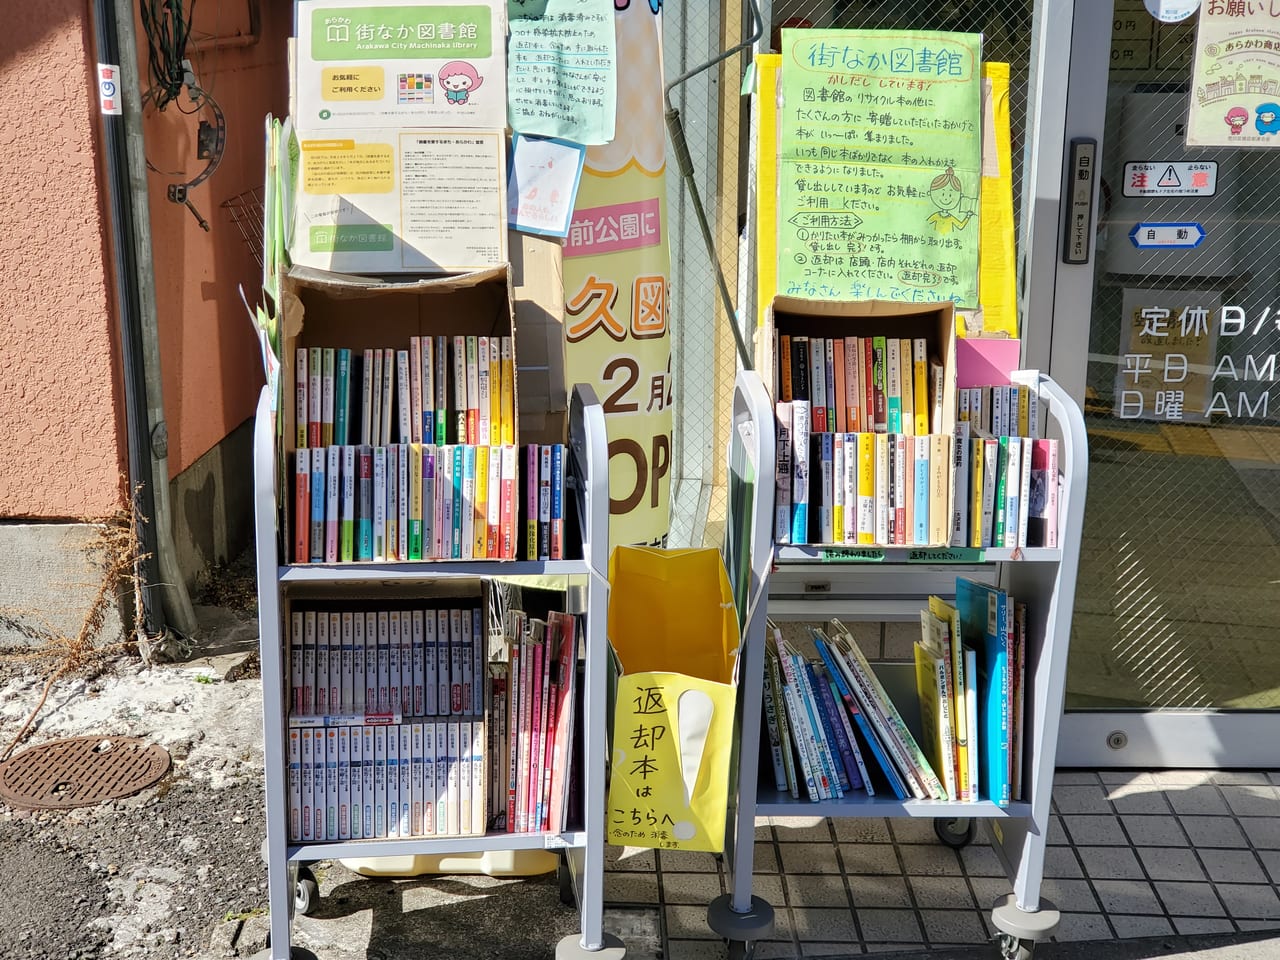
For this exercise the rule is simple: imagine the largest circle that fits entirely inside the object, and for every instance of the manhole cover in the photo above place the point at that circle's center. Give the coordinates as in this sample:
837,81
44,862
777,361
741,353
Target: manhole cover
81,771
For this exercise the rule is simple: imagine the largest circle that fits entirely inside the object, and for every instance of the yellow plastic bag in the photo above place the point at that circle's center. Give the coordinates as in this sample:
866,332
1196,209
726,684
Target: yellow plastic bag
673,626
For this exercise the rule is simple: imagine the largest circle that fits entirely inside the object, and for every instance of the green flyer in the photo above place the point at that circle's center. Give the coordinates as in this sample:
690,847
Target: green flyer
880,161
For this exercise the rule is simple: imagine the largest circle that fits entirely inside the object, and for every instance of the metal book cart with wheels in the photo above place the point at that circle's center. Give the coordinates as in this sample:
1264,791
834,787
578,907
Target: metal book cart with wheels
810,583
291,886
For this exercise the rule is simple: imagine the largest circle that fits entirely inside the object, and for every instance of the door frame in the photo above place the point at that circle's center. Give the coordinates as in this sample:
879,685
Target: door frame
1057,311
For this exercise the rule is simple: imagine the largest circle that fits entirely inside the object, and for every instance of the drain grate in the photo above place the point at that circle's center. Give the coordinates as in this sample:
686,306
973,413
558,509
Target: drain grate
81,771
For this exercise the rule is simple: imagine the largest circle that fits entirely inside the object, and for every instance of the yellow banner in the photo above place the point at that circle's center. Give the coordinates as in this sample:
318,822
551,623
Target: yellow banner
616,283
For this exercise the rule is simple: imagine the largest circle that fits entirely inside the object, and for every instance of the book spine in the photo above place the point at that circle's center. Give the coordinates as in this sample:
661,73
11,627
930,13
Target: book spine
380,490
782,369
907,382
800,369
483,390
840,386
829,381
893,384
939,489
318,491
815,784
302,505
414,451
920,467
367,393
459,390
864,777
831,717
414,407
557,501
882,488
427,389
459,502
508,391
852,385
468,663
302,405
510,484
495,391
822,749
326,396
1000,515
444,660
306,779
430,502
920,383
878,385
440,415
404,494
772,725
333,500
1024,491
364,510
467,531
838,489
344,783
473,390
480,521
515,693
455,662
493,519
898,450
544,502
530,479
389,379
818,384
443,801
1033,412
960,499
800,471
1051,494
826,505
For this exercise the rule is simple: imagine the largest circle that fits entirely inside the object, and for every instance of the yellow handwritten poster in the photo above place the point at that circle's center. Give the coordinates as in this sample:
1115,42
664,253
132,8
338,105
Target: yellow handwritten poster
879,170
616,282
1235,77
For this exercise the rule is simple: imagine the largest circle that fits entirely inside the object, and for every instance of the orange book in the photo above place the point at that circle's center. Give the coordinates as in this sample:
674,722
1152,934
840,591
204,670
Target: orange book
784,367
302,506
842,411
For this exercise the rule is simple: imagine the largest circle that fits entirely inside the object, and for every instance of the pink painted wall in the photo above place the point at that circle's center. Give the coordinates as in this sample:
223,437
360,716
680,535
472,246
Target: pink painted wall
61,441
209,354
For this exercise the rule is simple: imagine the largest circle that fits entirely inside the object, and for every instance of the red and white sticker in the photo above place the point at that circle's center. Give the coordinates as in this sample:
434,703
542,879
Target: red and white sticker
109,88
1171,178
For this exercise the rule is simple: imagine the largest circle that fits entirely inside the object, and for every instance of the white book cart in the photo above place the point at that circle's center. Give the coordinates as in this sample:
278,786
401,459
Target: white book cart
810,583
582,873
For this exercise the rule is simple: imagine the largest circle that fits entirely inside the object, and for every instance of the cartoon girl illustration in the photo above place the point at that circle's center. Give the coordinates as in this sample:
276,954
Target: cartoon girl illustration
955,210
459,79
1268,121
1236,118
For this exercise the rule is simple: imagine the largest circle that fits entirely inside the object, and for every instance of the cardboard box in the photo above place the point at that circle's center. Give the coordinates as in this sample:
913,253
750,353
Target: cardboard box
388,201
537,274
935,322
334,310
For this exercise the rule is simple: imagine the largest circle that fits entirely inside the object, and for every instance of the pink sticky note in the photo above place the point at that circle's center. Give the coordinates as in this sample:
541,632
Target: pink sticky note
985,363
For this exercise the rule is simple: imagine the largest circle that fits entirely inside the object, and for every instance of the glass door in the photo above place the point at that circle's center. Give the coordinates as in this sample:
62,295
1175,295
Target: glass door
1171,339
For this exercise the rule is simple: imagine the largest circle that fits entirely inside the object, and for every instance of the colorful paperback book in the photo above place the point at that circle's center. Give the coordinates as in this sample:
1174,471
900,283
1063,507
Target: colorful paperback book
984,626
893,384
326,396
302,505
818,384
556,551
468,503
495,391
920,467
440,415
380,490
459,504
347,525
333,501
388,394
544,502
508,391
415,390
302,406
364,510
444,664
800,471
318,490
483,400
510,484
1042,507
493,519
480,521
429,511
473,390
825,451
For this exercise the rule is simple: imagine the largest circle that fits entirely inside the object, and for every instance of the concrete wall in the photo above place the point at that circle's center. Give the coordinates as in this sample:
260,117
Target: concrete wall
61,439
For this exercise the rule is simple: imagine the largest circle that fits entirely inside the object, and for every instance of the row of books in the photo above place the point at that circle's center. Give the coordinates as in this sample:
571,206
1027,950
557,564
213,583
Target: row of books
367,781
1003,410
875,384
1006,491
441,390
859,488
350,661
534,709
833,729
417,501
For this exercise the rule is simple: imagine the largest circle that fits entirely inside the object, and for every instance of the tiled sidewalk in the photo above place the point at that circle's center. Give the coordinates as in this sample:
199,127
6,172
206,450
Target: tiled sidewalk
1130,855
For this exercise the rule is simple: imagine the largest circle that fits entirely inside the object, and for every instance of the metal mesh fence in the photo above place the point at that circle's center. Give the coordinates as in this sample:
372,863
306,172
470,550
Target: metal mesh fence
1177,598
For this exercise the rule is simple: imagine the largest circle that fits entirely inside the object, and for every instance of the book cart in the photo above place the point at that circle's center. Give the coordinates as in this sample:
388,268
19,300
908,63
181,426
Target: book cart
582,850
815,582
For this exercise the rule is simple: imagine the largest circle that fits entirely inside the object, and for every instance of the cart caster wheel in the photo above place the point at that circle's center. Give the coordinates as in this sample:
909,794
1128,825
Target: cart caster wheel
306,893
741,949
565,878
1013,948
955,832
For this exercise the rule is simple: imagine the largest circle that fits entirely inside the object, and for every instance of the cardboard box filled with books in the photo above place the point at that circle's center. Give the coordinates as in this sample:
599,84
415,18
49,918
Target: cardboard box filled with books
416,386
865,394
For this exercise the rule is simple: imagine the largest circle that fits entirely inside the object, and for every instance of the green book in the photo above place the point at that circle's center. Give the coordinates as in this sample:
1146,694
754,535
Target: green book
342,399
1002,474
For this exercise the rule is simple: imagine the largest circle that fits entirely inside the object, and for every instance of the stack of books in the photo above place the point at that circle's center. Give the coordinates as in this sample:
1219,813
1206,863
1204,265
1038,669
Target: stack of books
1005,476
834,730
438,743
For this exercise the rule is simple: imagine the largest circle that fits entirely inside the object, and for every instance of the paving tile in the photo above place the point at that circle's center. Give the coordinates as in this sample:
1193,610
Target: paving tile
1182,778
1182,899
1271,861
1115,778
1072,777
913,830
687,861
1190,926
688,922
953,926
862,829
1138,798
1274,775
1140,926
764,858
889,926
1094,830
808,858
1062,862
987,890
884,891
1213,832
769,889
1203,799
817,892
1240,776
1153,831
1252,800
690,887
981,861
783,950
1091,798
1232,866
802,829
639,927
1257,924
628,858
1170,863
870,858
630,887
1107,863
941,893
810,949
693,950
764,832
1127,896
1082,926
1056,836
824,923
1073,895
1252,901
1263,832
921,861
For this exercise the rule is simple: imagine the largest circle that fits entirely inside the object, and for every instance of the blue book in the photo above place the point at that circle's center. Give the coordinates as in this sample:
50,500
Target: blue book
826,764
827,498
342,399
831,716
318,461
828,726
920,457
984,625
364,511
863,725
456,521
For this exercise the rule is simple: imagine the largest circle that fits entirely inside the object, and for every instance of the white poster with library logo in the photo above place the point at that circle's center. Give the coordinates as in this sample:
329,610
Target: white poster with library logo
1167,348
